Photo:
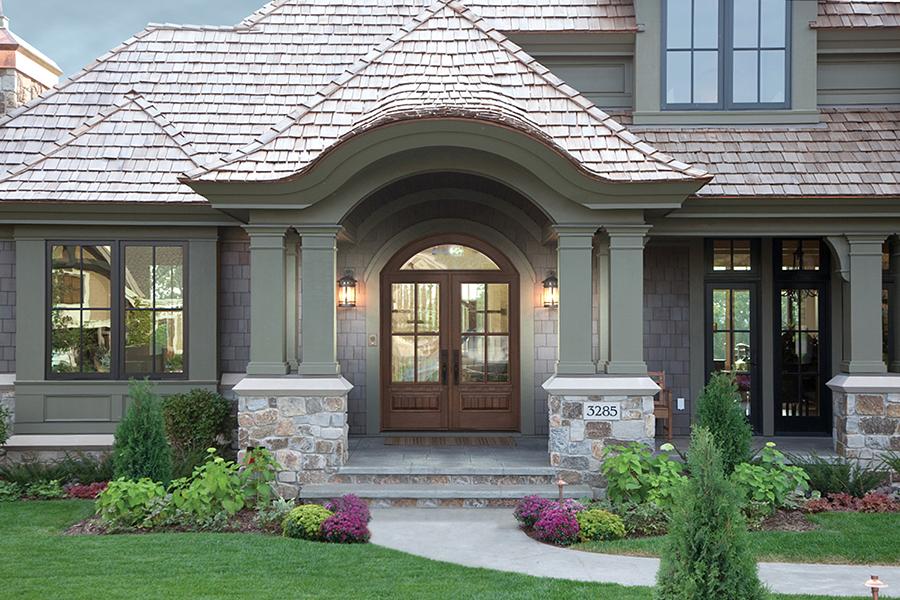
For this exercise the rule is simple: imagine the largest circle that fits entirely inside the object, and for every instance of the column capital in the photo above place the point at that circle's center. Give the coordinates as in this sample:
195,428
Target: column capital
322,230
866,244
627,236
266,236
574,230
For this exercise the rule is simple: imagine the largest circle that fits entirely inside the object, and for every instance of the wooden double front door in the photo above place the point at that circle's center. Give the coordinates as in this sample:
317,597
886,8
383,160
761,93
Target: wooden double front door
450,341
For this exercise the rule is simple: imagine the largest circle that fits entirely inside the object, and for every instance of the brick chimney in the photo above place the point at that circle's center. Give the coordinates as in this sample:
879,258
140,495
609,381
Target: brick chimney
25,72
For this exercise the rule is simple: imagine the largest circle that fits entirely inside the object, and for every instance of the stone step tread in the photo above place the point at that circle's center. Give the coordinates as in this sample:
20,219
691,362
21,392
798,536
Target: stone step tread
448,470
330,490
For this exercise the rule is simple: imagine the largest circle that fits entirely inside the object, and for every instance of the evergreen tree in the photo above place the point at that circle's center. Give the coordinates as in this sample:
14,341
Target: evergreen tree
707,554
719,410
141,448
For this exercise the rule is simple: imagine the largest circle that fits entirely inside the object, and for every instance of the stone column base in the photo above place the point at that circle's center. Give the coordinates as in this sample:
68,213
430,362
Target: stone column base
866,416
577,441
303,421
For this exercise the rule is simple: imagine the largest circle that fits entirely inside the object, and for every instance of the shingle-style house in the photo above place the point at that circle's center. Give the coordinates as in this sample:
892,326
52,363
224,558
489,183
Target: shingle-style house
402,217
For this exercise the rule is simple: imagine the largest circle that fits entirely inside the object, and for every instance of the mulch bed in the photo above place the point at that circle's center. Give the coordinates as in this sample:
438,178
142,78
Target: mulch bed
784,520
242,522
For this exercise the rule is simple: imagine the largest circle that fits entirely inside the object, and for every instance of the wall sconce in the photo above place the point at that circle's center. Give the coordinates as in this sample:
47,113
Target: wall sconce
347,291
551,291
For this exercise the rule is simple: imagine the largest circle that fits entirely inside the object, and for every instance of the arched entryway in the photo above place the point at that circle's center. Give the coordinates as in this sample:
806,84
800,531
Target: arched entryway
450,329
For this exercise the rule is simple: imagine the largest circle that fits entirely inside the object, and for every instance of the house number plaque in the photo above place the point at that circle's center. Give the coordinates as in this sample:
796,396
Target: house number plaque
602,411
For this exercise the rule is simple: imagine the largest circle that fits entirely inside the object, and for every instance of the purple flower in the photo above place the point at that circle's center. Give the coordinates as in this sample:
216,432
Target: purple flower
529,509
557,525
350,504
346,528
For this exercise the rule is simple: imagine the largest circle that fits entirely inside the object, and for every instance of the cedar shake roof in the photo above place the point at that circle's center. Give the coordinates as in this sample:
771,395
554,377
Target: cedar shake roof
448,62
850,14
222,88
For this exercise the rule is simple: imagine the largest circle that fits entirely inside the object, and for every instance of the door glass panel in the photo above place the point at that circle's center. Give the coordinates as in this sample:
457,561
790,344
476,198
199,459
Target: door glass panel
428,307
800,354
472,359
403,301
498,307
428,348
731,348
472,305
403,358
498,359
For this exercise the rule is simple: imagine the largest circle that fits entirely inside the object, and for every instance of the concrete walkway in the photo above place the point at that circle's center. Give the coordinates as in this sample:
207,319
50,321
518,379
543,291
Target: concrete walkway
490,538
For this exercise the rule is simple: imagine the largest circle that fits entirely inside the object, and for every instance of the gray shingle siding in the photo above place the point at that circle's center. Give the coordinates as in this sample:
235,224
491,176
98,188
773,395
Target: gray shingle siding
7,306
234,303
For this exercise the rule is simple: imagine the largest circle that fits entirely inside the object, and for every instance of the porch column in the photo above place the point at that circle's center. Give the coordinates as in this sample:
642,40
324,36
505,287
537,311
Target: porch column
267,300
864,323
602,287
318,301
575,249
626,299
894,304
291,256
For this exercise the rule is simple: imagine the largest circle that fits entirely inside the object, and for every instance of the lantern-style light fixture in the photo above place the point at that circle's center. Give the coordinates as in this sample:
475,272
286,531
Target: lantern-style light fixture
347,290
551,291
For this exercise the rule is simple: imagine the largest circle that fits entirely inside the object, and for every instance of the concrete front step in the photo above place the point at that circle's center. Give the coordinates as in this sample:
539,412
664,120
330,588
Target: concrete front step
430,495
443,479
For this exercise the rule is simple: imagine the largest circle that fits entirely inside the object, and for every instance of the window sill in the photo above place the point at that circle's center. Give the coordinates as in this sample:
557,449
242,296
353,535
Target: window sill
726,117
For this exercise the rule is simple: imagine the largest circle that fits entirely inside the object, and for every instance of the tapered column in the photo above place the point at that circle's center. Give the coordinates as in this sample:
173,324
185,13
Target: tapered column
626,300
894,304
291,258
864,327
575,266
267,300
318,301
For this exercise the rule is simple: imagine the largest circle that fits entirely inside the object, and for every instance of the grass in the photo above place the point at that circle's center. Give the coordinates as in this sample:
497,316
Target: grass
852,538
45,564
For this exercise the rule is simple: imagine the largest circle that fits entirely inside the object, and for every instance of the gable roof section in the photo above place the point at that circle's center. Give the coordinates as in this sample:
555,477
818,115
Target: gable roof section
852,14
447,62
128,152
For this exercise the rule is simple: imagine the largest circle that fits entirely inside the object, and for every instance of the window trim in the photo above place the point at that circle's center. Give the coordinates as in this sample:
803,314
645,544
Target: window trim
117,318
726,63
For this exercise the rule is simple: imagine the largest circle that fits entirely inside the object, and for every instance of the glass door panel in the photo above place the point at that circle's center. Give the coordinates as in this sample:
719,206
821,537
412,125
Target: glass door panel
799,359
731,335
415,332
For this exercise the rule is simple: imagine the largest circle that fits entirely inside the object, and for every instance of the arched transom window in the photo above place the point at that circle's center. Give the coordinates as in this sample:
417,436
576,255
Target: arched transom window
450,257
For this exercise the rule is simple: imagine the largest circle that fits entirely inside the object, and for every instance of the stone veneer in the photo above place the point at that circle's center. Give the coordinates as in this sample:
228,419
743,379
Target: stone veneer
577,446
866,425
307,434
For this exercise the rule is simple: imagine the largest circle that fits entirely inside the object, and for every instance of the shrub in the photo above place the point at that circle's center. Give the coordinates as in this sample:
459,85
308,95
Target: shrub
258,470
647,519
30,471
634,474
305,522
141,449
707,553
837,475
870,503
80,468
596,525
126,503
10,491
85,492
769,483
215,487
350,503
195,421
557,525
529,509
44,490
346,527
719,411
86,469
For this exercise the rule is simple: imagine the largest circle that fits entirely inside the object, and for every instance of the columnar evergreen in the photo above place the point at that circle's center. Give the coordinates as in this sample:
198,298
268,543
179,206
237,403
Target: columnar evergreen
141,448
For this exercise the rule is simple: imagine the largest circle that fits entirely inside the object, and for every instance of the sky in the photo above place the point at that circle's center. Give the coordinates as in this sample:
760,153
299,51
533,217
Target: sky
75,32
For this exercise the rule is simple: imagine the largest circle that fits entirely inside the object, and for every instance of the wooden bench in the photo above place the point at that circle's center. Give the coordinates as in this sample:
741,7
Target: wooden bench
662,403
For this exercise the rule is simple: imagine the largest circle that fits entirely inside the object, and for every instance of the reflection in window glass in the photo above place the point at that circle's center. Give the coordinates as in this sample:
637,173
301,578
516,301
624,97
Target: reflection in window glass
448,257
485,328
800,353
415,332
800,255
731,255
731,350
692,51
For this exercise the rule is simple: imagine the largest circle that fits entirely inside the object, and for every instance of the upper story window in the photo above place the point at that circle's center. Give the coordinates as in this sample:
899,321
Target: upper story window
726,54
116,310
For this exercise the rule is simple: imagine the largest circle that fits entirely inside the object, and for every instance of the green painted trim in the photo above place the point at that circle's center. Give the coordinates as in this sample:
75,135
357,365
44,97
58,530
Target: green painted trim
865,331
203,302
858,41
575,44
697,327
268,328
766,303
318,336
574,269
120,214
724,117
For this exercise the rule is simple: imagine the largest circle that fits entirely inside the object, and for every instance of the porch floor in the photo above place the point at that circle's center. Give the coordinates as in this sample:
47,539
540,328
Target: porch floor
796,445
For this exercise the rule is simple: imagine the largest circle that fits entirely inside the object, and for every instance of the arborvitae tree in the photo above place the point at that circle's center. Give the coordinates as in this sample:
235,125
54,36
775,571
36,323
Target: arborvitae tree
707,554
719,410
141,448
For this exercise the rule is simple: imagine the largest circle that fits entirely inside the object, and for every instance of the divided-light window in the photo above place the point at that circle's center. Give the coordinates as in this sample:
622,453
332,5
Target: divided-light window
726,54
117,310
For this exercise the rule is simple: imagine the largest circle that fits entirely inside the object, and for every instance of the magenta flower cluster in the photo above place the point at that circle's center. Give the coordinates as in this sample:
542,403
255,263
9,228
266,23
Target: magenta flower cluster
552,523
349,523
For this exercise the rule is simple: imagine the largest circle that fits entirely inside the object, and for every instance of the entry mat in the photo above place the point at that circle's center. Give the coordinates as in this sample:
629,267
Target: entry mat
496,441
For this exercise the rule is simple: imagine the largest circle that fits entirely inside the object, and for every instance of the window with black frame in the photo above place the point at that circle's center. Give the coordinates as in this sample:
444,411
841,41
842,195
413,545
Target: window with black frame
726,54
116,310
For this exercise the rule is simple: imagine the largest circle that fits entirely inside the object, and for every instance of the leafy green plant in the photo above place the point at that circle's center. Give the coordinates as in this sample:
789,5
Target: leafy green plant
892,461
707,553
45,490
215,487
195,421
596,525
10,491
770,482
30,471
78,467
272,515
141,449
305,522
258,470
719,411
5,425
127,503
634,474
837,475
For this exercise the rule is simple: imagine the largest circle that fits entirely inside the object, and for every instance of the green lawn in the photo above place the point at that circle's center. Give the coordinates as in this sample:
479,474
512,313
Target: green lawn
43,564
852,538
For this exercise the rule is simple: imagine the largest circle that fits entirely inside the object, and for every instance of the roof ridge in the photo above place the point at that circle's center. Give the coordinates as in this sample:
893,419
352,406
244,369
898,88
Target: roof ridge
262,13
131,97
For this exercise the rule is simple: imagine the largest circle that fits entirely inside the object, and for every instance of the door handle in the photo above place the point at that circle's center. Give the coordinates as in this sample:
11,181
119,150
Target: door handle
443,367
456,367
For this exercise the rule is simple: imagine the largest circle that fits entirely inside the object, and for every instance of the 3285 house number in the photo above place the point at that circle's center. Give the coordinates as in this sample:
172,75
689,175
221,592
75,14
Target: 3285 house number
602,411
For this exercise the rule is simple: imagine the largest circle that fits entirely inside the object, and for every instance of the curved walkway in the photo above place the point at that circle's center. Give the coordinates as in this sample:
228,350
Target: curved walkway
490,538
